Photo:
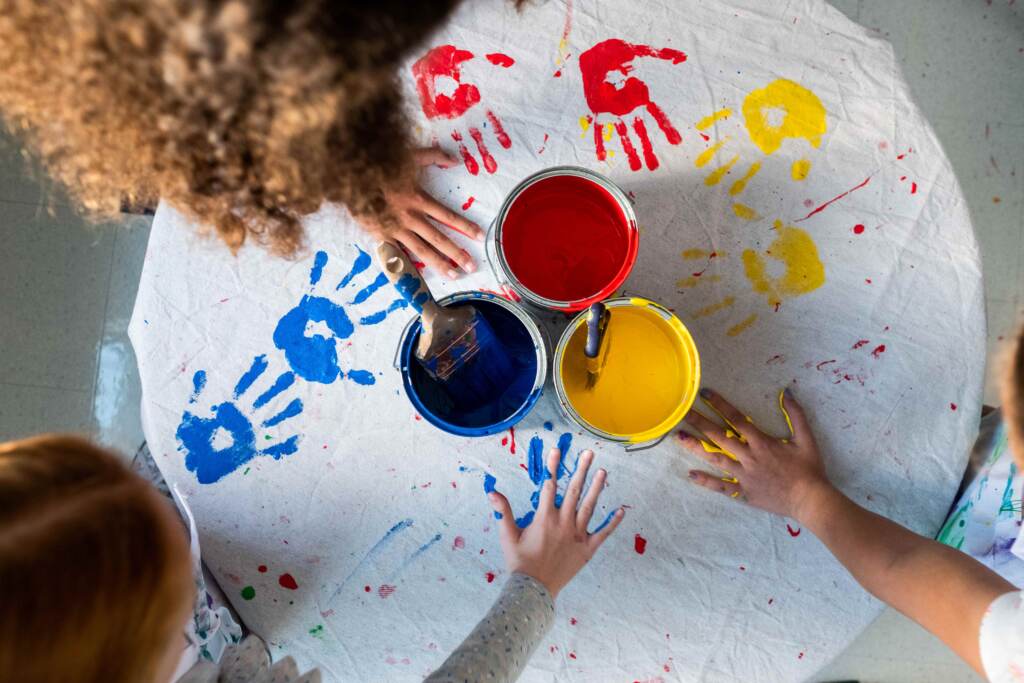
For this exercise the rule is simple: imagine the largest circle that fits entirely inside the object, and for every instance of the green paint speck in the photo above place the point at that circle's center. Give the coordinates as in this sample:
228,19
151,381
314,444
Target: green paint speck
267,437
246,472
248,592
317,631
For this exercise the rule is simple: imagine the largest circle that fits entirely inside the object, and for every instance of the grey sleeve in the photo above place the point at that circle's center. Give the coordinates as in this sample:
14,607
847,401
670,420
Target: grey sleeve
501,644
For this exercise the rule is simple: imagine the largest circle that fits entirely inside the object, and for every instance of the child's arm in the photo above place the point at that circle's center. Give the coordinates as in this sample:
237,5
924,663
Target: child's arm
940,588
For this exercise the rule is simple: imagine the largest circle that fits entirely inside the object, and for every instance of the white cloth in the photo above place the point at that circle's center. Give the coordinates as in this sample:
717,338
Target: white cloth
371,526
1002,639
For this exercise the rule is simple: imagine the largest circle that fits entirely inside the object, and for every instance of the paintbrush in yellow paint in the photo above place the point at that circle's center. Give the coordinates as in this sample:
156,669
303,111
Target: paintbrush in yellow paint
596,348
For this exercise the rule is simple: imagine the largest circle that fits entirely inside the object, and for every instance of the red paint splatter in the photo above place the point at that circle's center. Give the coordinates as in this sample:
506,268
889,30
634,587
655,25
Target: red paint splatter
792,532
705,137
420,265
499,131
459,542
834,200
418,417
861,343
468,203
287,581
742,568
471,165
572,655
454,485
867,280
499,59
639,544
823,363
552,649
800,656
543,145
557,74
858,229
262,569
952,406
879,350
328,613
621,99
386,590
902,156
808,203
490,577
776,359
572,621
489,163
771,600
913,188
444,61
367,589
512,438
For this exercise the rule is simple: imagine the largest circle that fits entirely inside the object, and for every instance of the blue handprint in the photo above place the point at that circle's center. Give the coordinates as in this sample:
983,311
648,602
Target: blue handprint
314,357
218,445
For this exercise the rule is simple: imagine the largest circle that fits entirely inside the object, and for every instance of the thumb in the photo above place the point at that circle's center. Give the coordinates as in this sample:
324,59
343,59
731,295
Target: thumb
507,528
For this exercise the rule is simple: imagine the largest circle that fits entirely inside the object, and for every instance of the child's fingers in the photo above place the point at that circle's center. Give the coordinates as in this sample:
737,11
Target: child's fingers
442,214
599,537
547,492
740,423
441,242
719,460
716,434
586,510
716,483
507,528
426,253
424,156
579,478
797,416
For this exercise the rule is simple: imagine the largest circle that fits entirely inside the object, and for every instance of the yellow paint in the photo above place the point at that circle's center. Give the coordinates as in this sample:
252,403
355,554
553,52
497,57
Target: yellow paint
694,254
716,176
650,375
785,414
804,271
693,281
803,115
734,494
730,480
704,157
709,120
741,184
711,447
715,308
801,167
607,133
584,125
732,432
739,327
745,212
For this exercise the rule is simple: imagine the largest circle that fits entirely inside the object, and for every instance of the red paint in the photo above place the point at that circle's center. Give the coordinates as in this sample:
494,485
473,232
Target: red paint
572,621
879,350
499,131
566,238
705,137
771,600
913,188
458,543
444,61
385,591
857,229
834,199
512,437
543,145
287,581
490,577
742,568
418,417
467,158
468,203
499,59
861,343
262,569
800,656
621,99
639,544
489,163
823,363
952,406
792,533
777,358
867,280
557,74
572,655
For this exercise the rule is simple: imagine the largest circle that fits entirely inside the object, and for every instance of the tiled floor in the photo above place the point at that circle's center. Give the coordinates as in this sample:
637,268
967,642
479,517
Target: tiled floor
68,288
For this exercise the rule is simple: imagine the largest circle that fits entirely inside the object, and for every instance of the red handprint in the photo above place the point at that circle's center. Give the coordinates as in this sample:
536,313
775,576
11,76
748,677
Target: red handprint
622,98
443,62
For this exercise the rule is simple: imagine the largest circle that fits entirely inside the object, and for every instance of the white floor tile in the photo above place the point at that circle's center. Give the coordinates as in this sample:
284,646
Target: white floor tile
27,411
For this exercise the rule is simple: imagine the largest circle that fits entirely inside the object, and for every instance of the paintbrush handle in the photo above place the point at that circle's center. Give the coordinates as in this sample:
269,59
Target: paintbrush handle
408,281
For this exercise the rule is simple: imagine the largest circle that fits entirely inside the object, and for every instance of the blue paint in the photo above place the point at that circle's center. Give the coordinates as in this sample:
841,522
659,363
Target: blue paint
489,482
607,520
536,468
361,263
364,377
284,380
291,410
416,554
438,405
407,286
368,291
371,553
198,384
259,365
549,426
564,445
319,261
535,461
378,317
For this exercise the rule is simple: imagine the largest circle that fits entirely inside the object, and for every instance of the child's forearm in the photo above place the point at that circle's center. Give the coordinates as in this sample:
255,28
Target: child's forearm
906,570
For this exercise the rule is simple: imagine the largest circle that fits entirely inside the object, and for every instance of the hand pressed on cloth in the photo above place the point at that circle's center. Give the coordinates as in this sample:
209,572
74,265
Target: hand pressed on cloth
772,474
414,210
556,546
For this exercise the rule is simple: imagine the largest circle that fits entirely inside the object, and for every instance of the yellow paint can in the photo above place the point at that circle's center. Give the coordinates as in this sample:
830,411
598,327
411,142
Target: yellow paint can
650,373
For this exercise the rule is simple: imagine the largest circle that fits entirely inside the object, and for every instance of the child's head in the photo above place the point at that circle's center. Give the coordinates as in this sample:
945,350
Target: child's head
1013,399
94,568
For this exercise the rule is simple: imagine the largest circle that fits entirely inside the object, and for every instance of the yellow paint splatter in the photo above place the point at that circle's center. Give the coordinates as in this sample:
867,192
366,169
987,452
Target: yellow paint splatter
709,120
803,115
739,327
741,184
694,254
715,308
607,133
716,176
745,212
804,271
704,157
584,125
693,281
801,167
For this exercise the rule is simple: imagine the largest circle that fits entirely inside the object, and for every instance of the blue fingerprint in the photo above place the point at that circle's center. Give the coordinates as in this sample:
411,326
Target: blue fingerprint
361,263
374,318
319,261
368,291
284,448
198,384
259,365
283,381
364,377
549,426
291,410
607,520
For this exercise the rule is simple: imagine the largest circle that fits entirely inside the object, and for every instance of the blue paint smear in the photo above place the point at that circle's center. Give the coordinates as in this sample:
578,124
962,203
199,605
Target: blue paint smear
198,384
524,521
368,291
259,365
412,558
319,261
291,410
489,482
364,377
549,426
407,286
283,381
564,445
535,460
313,357
377,547
607,520
378,317
361,263
285,448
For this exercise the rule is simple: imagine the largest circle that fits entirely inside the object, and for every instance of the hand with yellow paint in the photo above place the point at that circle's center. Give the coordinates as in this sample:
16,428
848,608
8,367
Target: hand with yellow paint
776,475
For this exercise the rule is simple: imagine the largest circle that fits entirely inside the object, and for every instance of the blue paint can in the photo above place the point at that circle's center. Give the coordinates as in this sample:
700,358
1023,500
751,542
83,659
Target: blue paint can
529,349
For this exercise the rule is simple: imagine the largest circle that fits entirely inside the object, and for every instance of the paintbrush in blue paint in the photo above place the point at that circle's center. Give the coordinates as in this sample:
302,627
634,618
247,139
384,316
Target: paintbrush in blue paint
596,348
457,346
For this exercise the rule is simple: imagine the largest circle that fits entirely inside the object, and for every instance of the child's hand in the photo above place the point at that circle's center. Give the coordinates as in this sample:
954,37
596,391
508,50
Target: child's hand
414,208
556,545
776,475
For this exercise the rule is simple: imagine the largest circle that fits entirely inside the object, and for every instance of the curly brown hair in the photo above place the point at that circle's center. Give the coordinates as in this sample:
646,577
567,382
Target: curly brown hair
244,114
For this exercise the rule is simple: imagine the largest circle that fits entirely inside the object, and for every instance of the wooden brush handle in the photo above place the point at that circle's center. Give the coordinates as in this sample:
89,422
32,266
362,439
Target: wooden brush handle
408,281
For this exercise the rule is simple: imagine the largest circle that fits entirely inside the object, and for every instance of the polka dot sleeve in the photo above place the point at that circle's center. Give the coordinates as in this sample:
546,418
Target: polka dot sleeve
501,644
